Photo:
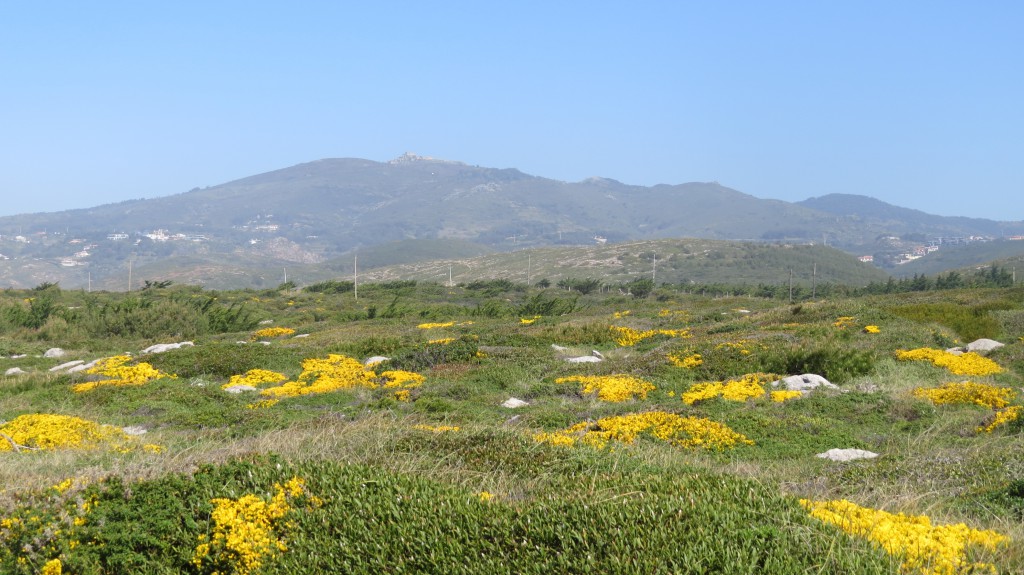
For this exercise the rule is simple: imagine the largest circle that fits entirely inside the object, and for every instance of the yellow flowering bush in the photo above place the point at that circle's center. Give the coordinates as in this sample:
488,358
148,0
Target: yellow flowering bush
262,404
967,392
441,341
685,432
872,329
844,321
272,332
255,378
613,388
249,530
968,363
621,314
485,496
528,320
49,432
1002,417
746,387
435,325
784,395
120,373
628,337
338,372
924,548
688,362
52,567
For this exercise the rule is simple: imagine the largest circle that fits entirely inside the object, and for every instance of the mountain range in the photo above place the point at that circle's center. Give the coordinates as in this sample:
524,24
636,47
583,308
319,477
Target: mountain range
321,214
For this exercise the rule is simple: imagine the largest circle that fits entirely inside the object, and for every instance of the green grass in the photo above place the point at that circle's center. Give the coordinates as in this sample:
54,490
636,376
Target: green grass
401,499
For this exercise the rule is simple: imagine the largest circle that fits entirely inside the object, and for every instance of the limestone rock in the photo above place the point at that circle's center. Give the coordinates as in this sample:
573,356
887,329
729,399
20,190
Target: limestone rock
583,359
847,454
54,352
983,345
15,371
375,360
557,347
67,365
514,403
804,383
134,430
236,389
162,347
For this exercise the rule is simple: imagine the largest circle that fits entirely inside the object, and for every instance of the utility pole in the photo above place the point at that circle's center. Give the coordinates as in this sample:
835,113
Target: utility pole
654,268
129,276
814,277
790,285
529,263
355,275
450,284
285,275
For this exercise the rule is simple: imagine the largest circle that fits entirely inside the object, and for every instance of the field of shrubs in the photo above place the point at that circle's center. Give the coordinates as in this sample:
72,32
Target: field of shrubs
502,428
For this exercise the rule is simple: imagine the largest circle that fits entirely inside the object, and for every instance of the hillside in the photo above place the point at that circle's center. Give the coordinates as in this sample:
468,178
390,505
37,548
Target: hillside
333,208
966,257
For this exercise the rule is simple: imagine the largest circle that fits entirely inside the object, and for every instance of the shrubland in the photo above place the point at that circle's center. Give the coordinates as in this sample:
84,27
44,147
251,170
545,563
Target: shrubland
672,454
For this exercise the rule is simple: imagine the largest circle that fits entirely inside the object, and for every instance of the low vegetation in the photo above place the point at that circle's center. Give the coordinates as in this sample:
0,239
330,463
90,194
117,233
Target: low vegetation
325,430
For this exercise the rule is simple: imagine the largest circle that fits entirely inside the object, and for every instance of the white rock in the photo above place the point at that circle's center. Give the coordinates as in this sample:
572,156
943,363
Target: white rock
162,347
134,430
84,366
557,347
847,454
19,355
984,345
375,360
955,351
67,365
15,371
513,403
583,359
239,388
267,322
301,335
596,353
804,383
54,352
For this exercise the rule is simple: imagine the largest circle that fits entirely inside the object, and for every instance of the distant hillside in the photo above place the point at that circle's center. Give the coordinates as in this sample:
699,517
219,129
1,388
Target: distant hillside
671,261
965,257
242,232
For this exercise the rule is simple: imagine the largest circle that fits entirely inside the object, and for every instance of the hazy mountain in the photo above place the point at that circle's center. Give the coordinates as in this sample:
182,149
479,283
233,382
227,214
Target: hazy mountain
249,230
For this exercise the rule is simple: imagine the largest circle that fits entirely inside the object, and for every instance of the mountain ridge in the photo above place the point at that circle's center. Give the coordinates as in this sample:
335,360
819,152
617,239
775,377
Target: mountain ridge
327,208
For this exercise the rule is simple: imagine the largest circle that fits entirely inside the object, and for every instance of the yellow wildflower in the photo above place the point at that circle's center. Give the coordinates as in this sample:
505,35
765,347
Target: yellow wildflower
685,432
435,325
1002,417
925,548
688,362
872,329
255,378
614,388
48,432
746,387
272,332
968,363
967,392
120,373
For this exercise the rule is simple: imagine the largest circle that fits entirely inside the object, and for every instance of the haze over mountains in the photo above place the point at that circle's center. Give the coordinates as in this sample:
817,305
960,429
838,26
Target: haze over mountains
244,233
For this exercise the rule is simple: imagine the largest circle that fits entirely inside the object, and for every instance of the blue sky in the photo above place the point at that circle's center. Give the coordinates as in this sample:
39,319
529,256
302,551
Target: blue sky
920,104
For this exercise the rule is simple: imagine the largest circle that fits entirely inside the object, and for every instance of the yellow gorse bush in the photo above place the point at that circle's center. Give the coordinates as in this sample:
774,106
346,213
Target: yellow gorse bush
924,548
441,341
338,372
872,329
685,432
968,363
844,321
746,387
1002,417
272,332
627,336
784,394
255,378
435,325
120,373
688,362
614,388
967,392
249,530
49,431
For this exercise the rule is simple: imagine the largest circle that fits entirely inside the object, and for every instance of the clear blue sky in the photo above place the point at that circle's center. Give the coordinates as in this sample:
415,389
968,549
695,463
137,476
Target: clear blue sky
920,104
